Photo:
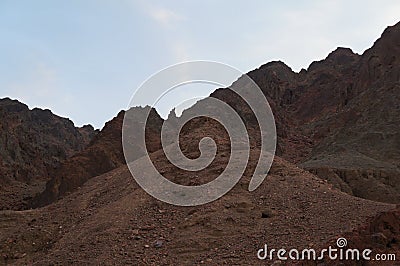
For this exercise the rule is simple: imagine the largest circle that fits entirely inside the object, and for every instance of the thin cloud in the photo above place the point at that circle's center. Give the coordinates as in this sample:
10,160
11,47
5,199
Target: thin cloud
172,33
165,17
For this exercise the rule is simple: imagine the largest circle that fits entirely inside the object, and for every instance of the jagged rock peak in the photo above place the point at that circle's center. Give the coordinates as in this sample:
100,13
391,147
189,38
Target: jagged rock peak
391,31
276,70
13,105
341,56
276,65
340,52
172,114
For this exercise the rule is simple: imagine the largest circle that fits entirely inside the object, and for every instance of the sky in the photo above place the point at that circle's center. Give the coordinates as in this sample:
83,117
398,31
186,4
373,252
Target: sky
84,59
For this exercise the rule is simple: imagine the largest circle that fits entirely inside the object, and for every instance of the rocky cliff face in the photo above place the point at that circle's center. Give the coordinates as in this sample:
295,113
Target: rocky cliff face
361,137
340,118
32,144
103,154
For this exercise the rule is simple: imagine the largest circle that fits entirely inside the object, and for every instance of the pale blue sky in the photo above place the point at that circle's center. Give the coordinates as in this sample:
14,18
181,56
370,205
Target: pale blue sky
83,59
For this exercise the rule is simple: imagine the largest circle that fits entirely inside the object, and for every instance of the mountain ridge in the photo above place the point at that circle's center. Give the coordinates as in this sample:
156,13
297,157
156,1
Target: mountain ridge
312,109
335,175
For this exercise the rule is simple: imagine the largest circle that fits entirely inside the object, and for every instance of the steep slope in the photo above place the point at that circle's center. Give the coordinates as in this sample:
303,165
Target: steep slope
103,154
340,118
364,151
32,144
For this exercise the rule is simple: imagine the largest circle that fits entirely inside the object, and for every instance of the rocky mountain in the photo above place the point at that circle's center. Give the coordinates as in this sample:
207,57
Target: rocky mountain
103,154
338,119
336,174
32,144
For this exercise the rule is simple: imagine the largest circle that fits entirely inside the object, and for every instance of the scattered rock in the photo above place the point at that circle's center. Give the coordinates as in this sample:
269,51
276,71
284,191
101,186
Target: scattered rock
267,213
158,244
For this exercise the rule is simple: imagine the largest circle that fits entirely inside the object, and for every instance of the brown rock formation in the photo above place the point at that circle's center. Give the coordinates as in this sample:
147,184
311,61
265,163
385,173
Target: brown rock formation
32,144
103,154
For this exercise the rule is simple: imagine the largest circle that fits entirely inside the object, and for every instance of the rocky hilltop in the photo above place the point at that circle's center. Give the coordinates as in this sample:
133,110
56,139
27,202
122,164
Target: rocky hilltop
103,154
340,118
32,144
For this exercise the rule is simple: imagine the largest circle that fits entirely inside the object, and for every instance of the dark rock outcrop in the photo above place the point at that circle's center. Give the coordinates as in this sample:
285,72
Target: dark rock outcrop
32,144
340,118
103,154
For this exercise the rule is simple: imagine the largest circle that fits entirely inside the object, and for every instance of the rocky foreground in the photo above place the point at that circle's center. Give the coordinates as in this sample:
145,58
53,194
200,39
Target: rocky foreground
112,221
